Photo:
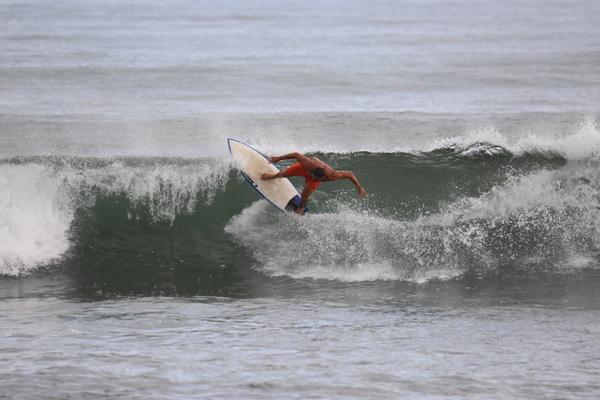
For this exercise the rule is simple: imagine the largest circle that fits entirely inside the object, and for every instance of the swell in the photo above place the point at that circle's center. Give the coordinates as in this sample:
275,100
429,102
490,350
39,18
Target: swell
162,224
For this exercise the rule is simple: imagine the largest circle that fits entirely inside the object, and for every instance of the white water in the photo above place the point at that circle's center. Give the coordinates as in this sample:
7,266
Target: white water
581,140
35,216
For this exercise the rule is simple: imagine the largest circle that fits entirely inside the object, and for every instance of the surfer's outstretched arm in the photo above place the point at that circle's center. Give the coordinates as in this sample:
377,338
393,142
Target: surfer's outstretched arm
291,156
352,178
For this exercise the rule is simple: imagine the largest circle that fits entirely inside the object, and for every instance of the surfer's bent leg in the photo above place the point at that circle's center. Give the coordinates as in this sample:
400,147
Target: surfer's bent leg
295,169
266,177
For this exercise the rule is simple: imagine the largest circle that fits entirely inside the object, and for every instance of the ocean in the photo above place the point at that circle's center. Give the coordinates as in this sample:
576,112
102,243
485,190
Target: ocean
135,262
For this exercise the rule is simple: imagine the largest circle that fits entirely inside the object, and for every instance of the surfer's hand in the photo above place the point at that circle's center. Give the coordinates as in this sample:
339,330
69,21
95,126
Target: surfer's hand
274,159
362,192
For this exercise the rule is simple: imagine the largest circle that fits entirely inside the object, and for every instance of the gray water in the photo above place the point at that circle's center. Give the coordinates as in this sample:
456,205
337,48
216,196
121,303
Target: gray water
67,57
368,340
134,263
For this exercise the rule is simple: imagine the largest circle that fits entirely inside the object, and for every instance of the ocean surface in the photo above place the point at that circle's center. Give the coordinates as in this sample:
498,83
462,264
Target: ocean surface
136,263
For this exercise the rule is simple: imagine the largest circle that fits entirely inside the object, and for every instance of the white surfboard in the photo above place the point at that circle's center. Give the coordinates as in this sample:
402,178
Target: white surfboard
252,164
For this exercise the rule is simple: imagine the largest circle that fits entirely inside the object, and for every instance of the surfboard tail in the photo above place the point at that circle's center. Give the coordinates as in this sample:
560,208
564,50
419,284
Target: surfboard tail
294,204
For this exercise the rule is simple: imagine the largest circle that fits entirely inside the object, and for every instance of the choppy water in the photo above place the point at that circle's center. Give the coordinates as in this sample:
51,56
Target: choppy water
135,262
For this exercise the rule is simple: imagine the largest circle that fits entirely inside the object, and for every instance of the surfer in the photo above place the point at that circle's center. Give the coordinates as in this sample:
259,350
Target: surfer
314,172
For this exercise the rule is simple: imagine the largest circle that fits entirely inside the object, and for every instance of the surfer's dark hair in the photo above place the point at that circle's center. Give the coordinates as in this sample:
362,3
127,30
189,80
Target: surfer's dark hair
318,172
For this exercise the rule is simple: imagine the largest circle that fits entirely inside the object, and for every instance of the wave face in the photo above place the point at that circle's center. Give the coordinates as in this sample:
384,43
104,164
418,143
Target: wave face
459,209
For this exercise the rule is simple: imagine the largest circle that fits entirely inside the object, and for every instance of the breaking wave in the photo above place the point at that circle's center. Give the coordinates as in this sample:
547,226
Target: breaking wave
475,206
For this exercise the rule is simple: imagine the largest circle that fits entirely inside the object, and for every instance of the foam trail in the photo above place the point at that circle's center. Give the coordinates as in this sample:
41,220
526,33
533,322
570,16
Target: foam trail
347,246
546,220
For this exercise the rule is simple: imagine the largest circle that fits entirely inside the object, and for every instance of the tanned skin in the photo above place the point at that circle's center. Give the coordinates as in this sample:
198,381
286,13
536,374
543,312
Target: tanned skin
309,164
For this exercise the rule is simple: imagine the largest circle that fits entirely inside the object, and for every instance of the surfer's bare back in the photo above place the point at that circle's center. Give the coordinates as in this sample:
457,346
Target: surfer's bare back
314,172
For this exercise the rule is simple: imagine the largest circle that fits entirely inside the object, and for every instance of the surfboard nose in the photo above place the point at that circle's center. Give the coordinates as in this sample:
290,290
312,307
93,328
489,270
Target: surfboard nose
229,140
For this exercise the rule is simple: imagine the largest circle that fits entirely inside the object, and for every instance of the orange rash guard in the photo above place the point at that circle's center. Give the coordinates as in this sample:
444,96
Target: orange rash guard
297,169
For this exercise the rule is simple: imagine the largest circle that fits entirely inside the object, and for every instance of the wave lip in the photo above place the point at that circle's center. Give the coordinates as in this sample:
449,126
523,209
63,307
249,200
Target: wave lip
580,143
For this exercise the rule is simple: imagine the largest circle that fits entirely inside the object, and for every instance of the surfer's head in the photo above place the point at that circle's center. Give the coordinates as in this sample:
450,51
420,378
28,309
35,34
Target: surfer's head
318,174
